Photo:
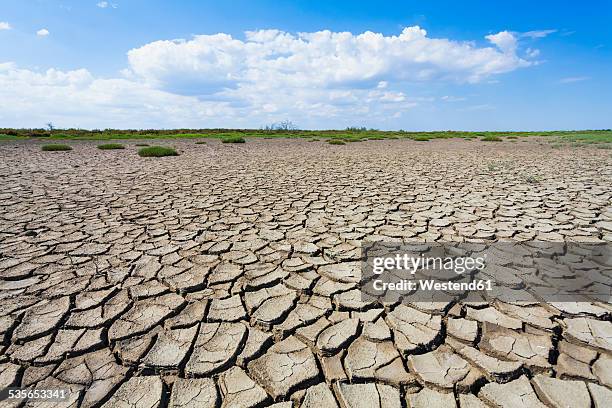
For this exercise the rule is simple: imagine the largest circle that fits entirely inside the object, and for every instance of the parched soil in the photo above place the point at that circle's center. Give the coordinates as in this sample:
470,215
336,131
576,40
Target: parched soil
228,276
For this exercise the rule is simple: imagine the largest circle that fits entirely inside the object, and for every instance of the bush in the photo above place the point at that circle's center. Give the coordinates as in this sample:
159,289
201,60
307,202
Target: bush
111,146
421,138
56,147
336,142
233,139
532,179
40,134
157,151
141,144
201,142
491,139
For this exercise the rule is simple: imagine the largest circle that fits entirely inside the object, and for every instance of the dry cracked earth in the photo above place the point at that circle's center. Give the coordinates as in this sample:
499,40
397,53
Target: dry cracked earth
228,276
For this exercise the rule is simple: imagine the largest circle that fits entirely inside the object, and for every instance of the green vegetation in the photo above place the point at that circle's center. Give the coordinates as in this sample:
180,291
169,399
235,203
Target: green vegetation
233,139
111,146
599,137
421,138
532,179
491,138
336,142
55,147
157,151
346,135
200,142
142,144
600,140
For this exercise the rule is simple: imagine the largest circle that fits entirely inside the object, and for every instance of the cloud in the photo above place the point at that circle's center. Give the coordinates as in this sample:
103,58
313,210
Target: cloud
5,26
76,98
323,59
106,4
43,32
538,33
505,41
324,79
569,80
450,98
483,107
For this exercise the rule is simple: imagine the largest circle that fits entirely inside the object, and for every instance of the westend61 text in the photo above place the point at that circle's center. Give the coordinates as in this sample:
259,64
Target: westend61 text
432,285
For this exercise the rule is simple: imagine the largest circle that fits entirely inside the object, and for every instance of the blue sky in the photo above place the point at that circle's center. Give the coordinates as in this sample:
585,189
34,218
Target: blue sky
322,64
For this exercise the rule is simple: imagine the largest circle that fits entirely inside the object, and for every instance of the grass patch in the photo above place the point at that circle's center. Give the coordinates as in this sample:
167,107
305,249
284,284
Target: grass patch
421,138
533,179
143,135
233,139
491,139
4,136
142,144
512,137
200,142
111,146
157,151
55,147
336,142
600,137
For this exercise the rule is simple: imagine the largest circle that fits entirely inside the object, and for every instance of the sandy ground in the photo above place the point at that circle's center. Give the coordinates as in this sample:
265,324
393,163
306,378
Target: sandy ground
226,276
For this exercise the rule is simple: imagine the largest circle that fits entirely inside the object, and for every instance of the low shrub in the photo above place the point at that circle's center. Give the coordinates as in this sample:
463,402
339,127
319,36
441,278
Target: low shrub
201,142
55,147
141,144
336,142
491,139
233,139
157,151
111,146
40,134
421,138
532,179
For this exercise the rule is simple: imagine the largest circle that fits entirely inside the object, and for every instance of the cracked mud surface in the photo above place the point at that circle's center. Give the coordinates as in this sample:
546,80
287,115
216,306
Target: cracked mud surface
227,276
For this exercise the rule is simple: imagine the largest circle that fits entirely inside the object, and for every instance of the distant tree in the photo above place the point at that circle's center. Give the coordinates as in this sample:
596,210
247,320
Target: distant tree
50,126
282,125
286,125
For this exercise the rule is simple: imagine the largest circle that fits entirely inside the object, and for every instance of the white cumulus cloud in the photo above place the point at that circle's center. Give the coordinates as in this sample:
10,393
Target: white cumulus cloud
505,41
323,59
322,78
5,26
43,32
